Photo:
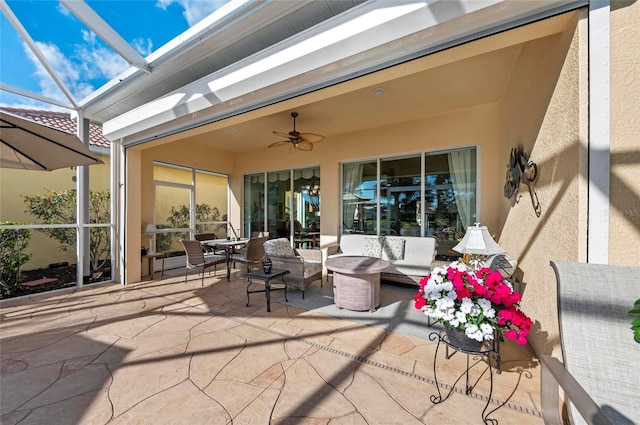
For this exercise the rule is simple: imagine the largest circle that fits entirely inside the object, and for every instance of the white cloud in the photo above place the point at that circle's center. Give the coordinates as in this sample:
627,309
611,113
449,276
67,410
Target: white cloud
98,61
87,62
194,10
142,46
63,68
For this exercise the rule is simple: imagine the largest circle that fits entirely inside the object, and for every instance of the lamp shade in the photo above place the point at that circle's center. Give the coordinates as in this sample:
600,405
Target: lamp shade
150,228
477,240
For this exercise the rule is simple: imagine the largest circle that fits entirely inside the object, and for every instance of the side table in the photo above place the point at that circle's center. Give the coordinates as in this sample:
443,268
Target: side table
436,399
356,281
152,258
267,278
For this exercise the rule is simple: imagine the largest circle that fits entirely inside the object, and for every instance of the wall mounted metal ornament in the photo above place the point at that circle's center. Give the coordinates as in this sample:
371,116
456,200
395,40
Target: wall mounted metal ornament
521,170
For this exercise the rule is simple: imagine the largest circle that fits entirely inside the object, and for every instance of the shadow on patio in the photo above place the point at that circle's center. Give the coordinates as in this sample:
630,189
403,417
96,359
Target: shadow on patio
168,352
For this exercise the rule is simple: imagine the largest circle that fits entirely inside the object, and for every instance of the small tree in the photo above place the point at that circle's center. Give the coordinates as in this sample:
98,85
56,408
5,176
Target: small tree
12,257
60,208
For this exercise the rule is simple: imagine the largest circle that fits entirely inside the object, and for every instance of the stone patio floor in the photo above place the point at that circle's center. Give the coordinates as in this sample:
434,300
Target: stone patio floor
166,352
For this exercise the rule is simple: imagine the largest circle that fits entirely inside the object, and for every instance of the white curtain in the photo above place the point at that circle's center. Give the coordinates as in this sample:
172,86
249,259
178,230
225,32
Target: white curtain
461,169
352,175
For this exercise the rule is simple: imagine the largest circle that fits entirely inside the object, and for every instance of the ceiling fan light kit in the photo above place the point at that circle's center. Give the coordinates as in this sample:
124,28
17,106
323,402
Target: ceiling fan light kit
300,141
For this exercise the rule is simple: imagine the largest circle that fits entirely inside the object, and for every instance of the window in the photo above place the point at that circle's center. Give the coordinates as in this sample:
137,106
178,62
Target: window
187,202
386,196
276,199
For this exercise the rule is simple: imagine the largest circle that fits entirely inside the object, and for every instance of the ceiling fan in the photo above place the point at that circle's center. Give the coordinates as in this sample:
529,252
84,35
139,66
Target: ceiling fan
300,141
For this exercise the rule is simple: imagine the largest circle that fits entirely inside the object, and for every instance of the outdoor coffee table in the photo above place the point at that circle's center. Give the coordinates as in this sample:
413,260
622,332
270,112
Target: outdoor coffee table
356,281
267,278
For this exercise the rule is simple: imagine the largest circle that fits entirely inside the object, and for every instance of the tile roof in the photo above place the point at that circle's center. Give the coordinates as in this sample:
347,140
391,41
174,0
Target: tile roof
61,121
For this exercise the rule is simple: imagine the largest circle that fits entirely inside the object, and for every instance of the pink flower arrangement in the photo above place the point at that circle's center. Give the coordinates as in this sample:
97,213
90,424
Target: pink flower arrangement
476,302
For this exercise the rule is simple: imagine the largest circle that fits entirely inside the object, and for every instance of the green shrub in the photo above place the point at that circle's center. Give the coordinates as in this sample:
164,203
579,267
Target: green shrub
60,208
12,257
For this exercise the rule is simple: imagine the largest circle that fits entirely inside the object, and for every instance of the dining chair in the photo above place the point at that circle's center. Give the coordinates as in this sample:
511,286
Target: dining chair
252,254
196,258
206,237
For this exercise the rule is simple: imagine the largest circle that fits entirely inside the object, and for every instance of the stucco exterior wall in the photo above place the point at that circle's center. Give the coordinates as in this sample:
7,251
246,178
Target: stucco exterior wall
540,111
624,225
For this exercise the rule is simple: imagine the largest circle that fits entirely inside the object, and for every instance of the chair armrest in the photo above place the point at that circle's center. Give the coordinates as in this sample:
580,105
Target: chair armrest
333,249
311,255
295,265
554,375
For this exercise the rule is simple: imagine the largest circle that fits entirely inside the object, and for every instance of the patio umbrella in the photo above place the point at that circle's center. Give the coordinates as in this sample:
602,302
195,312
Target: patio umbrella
30,145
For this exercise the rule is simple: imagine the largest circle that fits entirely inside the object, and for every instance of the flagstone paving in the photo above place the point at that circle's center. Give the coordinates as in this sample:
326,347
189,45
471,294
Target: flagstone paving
166,352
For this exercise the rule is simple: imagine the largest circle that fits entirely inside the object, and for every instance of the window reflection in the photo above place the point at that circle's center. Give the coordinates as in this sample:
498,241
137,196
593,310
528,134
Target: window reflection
393,186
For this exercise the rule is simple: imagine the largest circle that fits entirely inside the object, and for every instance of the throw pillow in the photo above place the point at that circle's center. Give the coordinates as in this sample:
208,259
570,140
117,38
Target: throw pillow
372,247
279,247
393,249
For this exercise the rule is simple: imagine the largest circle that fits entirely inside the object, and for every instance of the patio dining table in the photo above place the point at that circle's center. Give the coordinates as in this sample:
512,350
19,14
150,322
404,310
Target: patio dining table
227,245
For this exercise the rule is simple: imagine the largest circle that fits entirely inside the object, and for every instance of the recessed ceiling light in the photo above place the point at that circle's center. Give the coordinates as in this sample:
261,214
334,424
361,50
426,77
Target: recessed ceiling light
378,91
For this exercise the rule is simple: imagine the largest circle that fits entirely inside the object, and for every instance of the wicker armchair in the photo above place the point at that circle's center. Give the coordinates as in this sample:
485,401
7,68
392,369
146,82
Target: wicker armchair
304,265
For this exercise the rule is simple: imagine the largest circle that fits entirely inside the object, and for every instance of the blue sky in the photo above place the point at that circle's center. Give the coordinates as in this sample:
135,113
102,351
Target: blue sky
78,56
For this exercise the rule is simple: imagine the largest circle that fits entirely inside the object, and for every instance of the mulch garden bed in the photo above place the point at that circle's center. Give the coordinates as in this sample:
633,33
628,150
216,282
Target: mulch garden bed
52,278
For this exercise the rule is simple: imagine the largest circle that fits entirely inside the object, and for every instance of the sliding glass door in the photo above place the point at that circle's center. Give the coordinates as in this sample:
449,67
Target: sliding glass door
286,203
428,194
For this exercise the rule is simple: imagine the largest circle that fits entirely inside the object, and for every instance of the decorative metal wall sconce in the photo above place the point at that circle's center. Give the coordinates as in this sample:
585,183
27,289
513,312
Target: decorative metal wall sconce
521,170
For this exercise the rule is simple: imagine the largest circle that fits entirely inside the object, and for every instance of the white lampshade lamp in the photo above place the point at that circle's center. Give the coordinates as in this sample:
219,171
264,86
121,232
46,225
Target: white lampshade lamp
150,229
478,242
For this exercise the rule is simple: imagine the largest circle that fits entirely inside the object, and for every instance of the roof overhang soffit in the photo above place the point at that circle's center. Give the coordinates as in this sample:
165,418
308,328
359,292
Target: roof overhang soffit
352,44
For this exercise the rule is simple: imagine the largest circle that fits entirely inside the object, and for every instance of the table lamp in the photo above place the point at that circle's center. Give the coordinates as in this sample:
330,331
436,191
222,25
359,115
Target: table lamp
478,244
150,229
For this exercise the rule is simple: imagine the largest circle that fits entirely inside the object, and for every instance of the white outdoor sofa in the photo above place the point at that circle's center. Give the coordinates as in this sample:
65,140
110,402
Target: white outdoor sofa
600,373
409,257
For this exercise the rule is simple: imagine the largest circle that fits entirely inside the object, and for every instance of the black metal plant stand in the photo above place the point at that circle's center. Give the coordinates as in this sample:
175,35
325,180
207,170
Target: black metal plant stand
488,353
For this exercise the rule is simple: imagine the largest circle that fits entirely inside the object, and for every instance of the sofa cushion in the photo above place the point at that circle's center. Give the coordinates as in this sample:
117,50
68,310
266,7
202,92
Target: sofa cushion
279,247
393,249
372,246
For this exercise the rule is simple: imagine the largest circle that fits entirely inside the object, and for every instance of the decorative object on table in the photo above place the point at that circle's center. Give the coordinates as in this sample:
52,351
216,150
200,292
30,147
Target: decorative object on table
304,265
522,170
478,302
150,230
266,266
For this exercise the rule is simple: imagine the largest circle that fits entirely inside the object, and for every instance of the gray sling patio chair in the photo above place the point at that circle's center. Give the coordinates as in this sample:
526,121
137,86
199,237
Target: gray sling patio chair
599,373
196,258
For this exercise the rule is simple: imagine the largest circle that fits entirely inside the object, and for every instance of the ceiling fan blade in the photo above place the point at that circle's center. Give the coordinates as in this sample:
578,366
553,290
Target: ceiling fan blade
281,134
280,143
303,146
311,137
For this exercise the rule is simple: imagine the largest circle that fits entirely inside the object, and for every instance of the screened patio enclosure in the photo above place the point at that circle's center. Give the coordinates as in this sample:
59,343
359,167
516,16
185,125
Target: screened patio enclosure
384,82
